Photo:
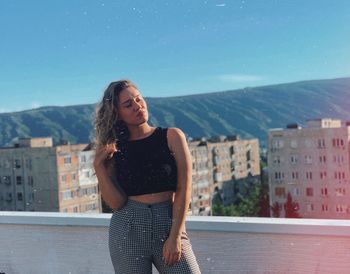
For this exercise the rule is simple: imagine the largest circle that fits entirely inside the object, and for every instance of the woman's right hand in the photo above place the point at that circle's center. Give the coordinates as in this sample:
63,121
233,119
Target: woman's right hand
103,154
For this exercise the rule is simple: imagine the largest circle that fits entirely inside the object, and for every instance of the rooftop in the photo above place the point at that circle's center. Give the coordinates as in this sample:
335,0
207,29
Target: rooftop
41,242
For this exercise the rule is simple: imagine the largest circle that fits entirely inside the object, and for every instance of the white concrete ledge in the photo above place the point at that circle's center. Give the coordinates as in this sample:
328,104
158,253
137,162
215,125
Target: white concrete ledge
55,243
194,223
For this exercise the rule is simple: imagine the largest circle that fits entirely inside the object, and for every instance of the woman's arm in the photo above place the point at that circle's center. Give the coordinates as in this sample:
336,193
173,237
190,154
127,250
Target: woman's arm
111,192
178,145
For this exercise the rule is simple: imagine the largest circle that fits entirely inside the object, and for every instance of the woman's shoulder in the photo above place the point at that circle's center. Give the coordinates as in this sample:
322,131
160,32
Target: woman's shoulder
175,137
175,132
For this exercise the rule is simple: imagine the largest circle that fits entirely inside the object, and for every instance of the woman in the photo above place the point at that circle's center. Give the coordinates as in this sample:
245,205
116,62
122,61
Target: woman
144,175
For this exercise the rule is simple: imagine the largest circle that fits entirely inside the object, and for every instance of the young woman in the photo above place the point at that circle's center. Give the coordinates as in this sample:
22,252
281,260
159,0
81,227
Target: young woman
144,175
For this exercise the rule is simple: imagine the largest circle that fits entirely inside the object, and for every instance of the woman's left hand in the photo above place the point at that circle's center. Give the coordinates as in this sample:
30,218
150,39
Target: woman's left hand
172,250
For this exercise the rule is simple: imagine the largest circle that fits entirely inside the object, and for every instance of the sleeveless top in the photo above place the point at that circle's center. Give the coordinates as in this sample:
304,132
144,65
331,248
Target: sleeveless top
146,165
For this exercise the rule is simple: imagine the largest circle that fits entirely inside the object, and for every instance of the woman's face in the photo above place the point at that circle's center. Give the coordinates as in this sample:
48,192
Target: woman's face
132,108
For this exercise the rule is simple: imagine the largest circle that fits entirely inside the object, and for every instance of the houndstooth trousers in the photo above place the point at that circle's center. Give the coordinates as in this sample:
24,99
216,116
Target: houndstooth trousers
137,233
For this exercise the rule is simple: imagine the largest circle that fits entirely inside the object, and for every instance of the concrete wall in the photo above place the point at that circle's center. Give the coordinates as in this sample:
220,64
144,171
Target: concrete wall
33,242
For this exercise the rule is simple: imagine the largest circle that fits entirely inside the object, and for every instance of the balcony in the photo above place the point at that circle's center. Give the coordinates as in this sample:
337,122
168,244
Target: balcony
38,242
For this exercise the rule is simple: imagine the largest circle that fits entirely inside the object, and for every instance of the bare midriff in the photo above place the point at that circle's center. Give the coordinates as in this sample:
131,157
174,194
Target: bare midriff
153,198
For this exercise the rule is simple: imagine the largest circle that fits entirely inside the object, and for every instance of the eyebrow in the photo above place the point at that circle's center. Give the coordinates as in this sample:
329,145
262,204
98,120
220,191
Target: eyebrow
127,101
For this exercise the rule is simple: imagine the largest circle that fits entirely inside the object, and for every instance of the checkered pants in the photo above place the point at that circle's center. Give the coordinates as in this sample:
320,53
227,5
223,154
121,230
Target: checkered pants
136,236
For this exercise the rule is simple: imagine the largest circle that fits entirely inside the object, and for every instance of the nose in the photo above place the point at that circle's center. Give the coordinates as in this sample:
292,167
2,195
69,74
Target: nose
137,105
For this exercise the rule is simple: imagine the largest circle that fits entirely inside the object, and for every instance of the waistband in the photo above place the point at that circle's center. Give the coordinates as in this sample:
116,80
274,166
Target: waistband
133,203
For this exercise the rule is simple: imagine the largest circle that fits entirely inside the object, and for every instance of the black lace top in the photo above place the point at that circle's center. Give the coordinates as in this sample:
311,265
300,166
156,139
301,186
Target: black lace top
147,165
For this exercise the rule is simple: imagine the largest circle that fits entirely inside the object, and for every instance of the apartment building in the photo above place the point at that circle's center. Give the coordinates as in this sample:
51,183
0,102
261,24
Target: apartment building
37,176
312,164
218,164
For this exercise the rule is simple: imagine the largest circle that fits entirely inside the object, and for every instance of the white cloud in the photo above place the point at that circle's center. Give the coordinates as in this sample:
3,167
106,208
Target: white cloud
221,5
235,78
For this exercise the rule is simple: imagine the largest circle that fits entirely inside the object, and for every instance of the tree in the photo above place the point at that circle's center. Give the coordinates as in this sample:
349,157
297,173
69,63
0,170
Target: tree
245,207
218,210
291,207
264,194
276,210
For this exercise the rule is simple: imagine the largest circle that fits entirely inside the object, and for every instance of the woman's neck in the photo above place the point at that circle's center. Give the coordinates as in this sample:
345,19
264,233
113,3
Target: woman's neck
140,132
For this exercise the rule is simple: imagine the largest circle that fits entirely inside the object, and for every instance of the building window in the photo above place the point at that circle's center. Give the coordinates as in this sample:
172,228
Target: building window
83,159
29,164
294,159
321,143
277,160
30,180
309,175
340,208
67,160
67,195
308,159
322,159
295,192
310,207
17,163
18,180
7,164
7,180
64,178
9,197
293,144
31,197
248,155
324,191
323,175
340,191
337,142
324,207
295,175
87,174
309,191
280,192
308,143
19,196
278,175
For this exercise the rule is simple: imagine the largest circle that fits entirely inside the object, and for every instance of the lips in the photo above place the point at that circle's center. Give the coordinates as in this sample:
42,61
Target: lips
140,113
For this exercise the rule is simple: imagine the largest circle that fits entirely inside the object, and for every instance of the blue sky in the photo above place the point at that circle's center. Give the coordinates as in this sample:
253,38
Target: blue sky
66,52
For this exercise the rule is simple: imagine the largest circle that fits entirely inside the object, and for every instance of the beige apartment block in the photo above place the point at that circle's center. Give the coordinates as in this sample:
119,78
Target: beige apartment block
312,164
201,179
220,161
37,176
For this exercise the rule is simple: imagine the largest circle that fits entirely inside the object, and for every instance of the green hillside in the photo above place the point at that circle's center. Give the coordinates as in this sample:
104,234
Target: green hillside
249,112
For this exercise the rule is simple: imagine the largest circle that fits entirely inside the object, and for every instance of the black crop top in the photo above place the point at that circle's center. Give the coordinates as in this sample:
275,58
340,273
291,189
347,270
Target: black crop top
146,165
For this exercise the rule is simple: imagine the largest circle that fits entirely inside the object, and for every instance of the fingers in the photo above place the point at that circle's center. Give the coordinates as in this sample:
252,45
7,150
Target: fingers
106,150
110,150
103,153
171,258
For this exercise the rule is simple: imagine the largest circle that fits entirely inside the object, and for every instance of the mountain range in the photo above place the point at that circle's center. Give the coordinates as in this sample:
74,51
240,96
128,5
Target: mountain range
249,112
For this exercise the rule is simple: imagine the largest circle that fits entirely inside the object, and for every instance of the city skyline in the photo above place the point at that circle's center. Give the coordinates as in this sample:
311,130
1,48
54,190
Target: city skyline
65,53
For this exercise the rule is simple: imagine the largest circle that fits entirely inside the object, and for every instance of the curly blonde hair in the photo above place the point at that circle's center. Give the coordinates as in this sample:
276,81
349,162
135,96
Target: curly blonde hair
108,129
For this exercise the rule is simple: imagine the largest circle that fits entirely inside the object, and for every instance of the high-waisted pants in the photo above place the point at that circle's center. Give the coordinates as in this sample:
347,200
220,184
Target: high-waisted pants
137,233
